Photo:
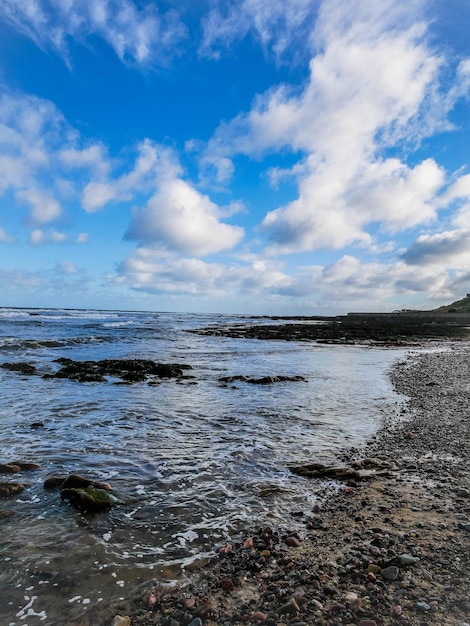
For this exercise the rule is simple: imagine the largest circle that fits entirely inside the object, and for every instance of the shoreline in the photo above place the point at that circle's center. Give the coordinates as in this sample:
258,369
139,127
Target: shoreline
387,551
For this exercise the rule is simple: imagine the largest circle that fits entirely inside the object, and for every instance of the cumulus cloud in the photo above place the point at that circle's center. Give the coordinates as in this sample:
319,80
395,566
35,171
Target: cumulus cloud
373,84
149,271
42,158
40,237
44,207
380,280
447,249
152,161
179,217
138,36
146,270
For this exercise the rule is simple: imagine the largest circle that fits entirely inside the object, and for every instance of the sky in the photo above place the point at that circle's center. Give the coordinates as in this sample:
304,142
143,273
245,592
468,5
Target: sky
235,156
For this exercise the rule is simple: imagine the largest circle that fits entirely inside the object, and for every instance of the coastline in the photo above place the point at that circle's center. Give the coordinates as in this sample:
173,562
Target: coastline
390,550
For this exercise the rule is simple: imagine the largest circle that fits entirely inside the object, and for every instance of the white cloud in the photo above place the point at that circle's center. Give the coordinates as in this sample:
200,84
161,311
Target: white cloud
148,270
152,161
374,83
39,237
137,36
68,268
41,157
376,282
276,25
44,207
93,157
179,217
97,195
460,189
145,270
4,237
445,249
82,238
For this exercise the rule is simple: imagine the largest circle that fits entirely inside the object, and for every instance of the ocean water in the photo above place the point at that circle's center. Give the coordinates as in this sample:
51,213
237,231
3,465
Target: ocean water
197,462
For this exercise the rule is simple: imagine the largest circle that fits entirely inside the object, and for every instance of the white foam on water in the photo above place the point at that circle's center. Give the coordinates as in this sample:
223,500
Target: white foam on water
28,611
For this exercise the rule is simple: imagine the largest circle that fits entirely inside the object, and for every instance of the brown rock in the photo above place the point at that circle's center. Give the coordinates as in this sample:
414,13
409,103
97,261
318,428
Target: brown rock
7,490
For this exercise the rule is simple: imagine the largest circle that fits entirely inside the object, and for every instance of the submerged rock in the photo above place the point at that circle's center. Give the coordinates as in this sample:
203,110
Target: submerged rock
83,493
89,499
264,380
129,370
9,468
8,490
21,368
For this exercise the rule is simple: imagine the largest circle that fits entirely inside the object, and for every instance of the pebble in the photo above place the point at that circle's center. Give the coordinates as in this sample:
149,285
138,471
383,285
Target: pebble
259,616
407,559
121,621
367,622
293,541
422,606
197,621
390,573
351,596
289,607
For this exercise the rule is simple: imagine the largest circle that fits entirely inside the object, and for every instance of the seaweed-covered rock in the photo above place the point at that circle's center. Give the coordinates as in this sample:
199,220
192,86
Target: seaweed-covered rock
129,370
83,493
89,499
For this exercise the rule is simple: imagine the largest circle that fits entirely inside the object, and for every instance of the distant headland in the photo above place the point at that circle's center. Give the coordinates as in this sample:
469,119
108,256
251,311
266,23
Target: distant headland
399,327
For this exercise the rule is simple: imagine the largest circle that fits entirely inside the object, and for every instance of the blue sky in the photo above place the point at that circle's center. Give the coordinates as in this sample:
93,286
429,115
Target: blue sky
301,157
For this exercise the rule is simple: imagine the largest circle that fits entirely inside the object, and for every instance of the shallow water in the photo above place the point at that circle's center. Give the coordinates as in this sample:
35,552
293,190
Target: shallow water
196,461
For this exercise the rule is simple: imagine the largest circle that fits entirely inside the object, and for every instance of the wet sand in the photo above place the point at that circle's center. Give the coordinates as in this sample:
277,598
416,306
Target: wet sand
392,549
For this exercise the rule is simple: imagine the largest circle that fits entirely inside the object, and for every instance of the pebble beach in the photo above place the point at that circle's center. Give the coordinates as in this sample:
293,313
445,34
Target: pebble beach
390,547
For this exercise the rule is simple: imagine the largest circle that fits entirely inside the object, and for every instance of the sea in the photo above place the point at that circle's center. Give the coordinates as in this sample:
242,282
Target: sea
197,462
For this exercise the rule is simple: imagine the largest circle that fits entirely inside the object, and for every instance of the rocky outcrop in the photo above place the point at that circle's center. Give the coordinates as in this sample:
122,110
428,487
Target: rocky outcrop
264,380
128,370
22,368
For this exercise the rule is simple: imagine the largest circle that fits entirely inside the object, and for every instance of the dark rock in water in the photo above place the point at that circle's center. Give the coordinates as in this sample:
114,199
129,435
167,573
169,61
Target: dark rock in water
21,368
26,466
54,482
74,481
89,499
7,490
129,370
265,380
9,468
318,470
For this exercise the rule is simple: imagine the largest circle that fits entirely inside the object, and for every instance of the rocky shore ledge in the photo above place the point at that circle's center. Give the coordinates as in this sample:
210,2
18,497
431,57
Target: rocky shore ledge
391,550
